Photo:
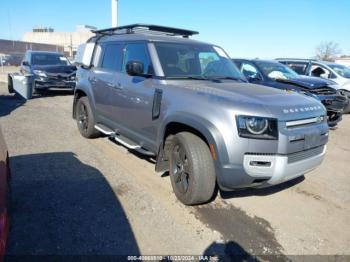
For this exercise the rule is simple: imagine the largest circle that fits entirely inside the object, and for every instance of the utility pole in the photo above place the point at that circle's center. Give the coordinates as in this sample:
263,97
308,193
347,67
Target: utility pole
114,13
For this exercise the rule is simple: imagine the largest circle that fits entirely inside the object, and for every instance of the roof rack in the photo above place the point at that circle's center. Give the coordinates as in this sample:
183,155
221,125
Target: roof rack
297,59
145,28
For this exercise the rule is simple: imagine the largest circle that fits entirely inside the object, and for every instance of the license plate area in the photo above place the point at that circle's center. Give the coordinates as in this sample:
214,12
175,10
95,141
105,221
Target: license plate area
312,140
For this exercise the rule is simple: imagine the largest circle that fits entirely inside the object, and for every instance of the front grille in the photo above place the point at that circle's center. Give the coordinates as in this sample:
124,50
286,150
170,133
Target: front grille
57,77
323,91
295,157
304,122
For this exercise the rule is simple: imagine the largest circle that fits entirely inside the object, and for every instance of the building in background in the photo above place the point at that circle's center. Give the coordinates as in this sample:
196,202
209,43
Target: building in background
69,40
12,52
343,61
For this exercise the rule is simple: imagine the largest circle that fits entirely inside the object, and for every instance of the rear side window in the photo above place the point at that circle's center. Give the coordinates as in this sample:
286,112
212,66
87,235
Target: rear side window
98,55
112,57
138,52
300,68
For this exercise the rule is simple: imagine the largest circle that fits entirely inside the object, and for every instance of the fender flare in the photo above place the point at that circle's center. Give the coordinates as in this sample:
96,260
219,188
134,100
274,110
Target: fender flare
75,100
206,128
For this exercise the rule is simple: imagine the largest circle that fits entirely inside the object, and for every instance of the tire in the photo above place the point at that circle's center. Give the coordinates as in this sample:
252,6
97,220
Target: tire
10,85
192,171
85,119
347,109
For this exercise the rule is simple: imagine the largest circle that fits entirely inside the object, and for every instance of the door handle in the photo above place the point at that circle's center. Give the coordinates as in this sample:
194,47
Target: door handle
115,86
93,79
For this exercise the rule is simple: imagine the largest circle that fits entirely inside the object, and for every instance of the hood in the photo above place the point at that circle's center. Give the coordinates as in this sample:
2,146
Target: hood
307,82
56,69
252,98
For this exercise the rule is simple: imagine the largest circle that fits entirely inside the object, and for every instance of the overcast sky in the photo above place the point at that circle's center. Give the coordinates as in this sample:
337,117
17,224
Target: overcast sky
254,28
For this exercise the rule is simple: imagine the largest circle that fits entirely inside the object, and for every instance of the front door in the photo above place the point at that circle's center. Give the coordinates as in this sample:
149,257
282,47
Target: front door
139,93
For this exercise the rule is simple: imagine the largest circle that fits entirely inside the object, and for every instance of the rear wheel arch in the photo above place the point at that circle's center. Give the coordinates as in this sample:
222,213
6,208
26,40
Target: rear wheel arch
10,84
77,95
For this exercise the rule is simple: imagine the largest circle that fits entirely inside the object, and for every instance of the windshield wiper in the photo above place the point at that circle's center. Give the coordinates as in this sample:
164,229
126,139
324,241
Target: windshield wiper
187,77
227,78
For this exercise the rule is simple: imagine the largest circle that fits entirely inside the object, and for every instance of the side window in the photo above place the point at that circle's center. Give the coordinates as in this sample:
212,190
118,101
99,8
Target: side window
96,61
320,71
112,57
300,68
249,70
27,58
205,58
138,52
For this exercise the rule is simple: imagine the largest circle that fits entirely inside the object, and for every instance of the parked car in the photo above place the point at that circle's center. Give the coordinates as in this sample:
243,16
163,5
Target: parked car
327,70
277,75
4,182
50,70
185,103
13,60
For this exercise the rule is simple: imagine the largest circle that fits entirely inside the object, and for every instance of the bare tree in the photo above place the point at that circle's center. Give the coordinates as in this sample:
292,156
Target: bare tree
327,51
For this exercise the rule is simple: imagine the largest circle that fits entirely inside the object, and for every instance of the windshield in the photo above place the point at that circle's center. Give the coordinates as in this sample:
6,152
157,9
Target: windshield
277,70
196,61
49,59
341,70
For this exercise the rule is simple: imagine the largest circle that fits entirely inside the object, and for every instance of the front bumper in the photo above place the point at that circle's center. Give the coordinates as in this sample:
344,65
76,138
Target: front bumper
44,84
259,163
281,168
335,106
334,103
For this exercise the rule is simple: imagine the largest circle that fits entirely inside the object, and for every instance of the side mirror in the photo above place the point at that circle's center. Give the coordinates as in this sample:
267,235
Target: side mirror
25,63
254,78
135,68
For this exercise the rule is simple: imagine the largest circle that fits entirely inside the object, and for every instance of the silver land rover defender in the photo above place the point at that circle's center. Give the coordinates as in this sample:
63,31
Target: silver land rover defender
185,103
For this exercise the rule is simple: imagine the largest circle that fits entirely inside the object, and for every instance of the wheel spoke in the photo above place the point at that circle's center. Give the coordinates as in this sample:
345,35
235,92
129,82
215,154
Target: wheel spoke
180,168
182,155
177,176
177,156
184,182
186,168
83,117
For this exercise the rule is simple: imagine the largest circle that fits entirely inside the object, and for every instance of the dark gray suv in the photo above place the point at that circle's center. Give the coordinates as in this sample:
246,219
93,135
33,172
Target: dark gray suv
185,103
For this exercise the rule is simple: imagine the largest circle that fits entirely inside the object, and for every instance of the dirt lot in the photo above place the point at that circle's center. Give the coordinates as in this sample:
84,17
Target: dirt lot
5,70
76,196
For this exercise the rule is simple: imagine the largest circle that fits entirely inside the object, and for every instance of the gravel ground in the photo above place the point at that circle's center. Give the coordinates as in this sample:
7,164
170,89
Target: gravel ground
72,196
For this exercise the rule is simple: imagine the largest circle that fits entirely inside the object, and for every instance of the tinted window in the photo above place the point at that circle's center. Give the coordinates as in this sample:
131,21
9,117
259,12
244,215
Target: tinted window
300,68
138,52
276,70
112,57
249,70
341,70
49,59
97,60
192,60
320,71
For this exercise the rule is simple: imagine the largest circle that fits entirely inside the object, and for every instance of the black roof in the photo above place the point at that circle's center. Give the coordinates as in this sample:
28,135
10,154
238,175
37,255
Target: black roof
146,28
44,52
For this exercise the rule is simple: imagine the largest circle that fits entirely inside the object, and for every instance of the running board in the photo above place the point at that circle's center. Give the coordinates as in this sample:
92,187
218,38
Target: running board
105,130
123,140
125,143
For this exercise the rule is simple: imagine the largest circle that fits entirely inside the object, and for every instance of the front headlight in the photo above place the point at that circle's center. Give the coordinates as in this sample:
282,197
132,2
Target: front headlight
335,86
257,127
40,73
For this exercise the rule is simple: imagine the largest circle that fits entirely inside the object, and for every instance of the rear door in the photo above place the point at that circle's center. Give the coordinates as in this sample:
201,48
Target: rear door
103,80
